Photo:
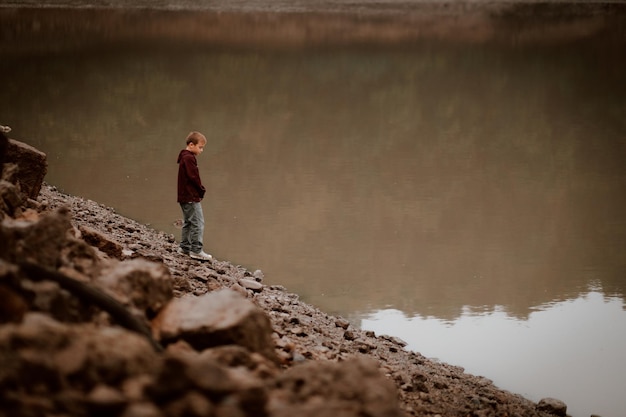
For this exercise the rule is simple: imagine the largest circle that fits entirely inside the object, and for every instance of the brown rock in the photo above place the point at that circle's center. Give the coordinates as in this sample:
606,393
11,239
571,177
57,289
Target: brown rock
238,356
49,297
142,409
341,322
40,240
143,284
32,164
46,358
10,198
348,389
186,372
218,318
349,335
13,306
191,404
105,400
4,144
101,241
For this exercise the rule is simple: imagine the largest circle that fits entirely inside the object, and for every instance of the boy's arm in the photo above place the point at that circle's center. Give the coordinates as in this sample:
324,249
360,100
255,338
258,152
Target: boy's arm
193,174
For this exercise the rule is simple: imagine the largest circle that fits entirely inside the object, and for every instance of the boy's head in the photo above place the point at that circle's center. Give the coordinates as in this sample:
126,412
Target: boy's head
196,142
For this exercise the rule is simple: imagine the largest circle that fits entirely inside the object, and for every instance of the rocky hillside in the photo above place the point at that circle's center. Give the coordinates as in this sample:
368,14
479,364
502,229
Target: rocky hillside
101,316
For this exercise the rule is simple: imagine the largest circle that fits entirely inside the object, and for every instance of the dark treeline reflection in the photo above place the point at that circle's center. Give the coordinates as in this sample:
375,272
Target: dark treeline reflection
424,177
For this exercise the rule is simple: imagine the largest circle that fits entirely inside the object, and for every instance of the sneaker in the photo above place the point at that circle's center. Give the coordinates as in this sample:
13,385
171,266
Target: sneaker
201,256
181,251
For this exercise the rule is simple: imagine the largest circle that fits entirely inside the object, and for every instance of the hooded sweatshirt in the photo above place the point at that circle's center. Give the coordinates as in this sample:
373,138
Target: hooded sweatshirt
190,188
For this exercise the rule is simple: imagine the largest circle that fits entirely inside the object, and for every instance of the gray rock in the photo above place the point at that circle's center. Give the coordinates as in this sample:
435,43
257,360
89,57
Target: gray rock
239,289
143,284
393,339
218,318
258,275
251,284
552,406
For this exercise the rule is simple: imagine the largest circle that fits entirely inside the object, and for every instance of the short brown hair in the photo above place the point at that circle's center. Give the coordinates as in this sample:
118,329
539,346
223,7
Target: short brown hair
195,138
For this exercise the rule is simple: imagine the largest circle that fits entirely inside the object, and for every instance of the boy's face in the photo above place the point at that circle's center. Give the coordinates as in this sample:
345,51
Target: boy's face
196,149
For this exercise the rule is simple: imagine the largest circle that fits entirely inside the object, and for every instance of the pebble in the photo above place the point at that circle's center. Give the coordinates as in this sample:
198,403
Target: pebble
258,275
343,323
298,331
251,284
349,335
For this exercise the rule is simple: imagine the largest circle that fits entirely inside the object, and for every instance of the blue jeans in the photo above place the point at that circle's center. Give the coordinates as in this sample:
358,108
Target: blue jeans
193,227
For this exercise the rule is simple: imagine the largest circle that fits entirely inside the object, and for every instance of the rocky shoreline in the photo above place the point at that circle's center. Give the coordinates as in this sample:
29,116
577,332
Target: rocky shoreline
101,316
168,336
302,333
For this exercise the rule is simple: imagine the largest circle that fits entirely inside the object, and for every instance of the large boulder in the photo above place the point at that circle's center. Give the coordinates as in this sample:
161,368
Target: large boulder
11,199
39,240
218,318
47,366
32,166
552,406
102,242
352,388
228,388
139,283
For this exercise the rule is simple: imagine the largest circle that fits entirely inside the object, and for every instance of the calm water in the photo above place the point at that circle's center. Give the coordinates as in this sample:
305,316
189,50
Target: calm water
468,199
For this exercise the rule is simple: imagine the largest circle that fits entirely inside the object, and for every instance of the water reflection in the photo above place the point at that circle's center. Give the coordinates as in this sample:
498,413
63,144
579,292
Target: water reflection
543,355
430,178
491,176
337,170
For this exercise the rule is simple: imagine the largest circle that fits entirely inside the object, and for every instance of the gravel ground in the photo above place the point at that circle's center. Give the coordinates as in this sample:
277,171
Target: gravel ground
303,333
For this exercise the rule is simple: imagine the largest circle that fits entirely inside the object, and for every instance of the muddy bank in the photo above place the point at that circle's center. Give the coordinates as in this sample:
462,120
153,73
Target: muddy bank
101,316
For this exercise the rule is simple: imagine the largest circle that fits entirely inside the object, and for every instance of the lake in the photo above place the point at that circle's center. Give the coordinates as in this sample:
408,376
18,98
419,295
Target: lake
467,196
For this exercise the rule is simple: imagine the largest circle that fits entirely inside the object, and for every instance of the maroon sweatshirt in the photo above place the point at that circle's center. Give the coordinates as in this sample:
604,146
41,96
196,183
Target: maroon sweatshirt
190,188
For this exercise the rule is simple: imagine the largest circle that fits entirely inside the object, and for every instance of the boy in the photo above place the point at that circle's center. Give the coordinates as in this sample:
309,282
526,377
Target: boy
190,193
